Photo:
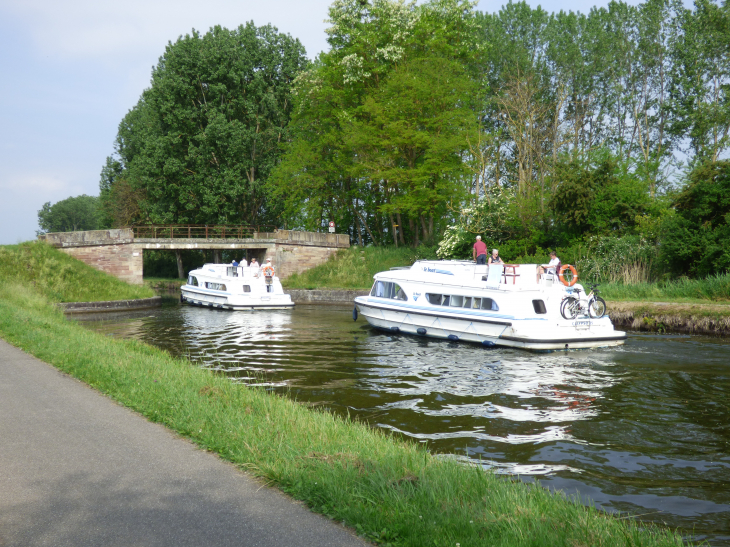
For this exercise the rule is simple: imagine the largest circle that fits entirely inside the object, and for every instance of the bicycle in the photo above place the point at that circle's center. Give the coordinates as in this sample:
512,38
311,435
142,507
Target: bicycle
593,305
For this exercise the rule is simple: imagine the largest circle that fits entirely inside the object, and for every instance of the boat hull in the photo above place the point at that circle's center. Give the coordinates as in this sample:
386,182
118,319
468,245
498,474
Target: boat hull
534,335
213,299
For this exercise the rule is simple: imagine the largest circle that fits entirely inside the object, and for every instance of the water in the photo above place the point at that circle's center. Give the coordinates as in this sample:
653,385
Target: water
643,429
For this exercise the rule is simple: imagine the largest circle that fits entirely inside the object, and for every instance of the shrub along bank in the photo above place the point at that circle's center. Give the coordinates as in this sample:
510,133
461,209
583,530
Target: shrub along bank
390,491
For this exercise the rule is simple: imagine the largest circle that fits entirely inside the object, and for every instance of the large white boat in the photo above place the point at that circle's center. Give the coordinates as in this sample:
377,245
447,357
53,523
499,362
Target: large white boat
231,287
491,305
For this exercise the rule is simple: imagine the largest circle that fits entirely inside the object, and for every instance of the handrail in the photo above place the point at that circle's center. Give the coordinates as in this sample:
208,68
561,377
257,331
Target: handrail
195,231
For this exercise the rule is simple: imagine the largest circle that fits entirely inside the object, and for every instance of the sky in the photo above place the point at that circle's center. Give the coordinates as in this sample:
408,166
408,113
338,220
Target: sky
70,71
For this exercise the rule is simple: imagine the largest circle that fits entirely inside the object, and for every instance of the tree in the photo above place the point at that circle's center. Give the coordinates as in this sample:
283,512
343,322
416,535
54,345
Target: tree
69,215
380,122
201,142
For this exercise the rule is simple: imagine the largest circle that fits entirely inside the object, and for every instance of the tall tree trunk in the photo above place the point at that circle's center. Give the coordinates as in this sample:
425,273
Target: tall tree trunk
425,228
180,268
400,231
367,228
414,229
392,229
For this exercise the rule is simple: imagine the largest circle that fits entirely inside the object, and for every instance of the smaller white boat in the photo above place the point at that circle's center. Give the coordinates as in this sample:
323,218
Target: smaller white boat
229,287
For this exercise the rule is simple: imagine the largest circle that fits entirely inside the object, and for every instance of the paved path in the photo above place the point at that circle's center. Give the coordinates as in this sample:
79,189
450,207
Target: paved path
78,470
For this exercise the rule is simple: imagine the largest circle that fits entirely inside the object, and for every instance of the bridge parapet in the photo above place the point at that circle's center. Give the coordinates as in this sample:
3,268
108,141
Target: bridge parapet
89,238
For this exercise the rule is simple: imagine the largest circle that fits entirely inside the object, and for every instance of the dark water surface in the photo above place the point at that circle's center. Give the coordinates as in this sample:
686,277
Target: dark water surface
643,429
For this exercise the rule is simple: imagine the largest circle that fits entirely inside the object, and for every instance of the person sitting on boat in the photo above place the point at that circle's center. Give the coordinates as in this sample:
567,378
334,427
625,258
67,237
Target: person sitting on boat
551,268
495,258
234,263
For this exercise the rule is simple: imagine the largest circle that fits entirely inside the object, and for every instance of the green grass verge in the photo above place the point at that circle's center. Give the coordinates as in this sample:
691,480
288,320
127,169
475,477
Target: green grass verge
712,289
391,491
62,278
355,267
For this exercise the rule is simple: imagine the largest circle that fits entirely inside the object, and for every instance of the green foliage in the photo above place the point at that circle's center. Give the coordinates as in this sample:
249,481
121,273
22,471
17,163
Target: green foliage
199,145
70,215
600,199
696,241
60,278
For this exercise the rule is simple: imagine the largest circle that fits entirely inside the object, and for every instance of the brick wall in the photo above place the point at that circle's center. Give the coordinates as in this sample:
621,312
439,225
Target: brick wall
122,260
291,259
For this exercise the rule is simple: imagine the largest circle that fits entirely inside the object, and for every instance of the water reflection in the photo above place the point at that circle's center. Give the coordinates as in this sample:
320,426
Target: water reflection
644,428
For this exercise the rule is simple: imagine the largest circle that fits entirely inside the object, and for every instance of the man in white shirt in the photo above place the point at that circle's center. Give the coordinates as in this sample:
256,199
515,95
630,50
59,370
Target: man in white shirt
551,268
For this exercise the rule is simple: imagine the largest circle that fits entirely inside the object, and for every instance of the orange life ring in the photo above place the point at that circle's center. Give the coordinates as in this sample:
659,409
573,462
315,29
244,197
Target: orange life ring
268,271
573,280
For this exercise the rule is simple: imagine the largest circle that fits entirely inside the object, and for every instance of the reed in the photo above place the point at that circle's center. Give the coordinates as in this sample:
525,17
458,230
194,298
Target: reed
390,491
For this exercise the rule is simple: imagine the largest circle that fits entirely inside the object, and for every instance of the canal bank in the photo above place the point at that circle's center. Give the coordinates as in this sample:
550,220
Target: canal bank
711,319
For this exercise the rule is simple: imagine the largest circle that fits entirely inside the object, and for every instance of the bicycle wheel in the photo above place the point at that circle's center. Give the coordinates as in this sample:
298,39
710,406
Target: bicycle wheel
597,307
569,308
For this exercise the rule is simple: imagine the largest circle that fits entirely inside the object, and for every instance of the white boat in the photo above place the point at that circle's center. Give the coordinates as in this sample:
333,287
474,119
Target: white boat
231,287
490,305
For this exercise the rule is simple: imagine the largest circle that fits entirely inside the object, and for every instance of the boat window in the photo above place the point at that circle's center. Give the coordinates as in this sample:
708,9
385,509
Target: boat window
192,280
477,303
489,304
445,301
386,289
215,286
467,301
232,271
539,306
457,301
434,299
378,289
247,288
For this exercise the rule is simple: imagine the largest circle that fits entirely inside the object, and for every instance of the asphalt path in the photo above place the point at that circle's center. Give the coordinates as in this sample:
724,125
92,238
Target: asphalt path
77,470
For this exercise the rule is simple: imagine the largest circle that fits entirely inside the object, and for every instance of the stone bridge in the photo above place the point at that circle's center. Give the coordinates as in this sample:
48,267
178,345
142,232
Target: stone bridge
119,253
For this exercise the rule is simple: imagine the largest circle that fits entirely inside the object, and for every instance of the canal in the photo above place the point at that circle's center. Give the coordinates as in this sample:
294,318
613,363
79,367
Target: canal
643,429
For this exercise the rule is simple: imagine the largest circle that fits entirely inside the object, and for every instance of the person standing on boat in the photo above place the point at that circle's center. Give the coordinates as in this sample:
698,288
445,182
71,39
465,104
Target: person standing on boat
479,252
243,262
495,258
254,266
268,271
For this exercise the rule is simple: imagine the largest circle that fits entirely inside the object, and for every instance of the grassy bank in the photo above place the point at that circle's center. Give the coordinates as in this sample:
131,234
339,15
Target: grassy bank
392,492
354,268
61,278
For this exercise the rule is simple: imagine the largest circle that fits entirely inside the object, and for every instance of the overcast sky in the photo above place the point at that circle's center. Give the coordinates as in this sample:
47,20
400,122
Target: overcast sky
69,72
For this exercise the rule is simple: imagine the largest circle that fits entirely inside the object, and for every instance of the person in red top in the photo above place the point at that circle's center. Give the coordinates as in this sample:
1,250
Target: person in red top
479,252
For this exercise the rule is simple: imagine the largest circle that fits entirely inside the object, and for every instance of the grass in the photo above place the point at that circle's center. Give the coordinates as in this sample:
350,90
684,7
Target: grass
61,278
390,491
712,289
355,267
